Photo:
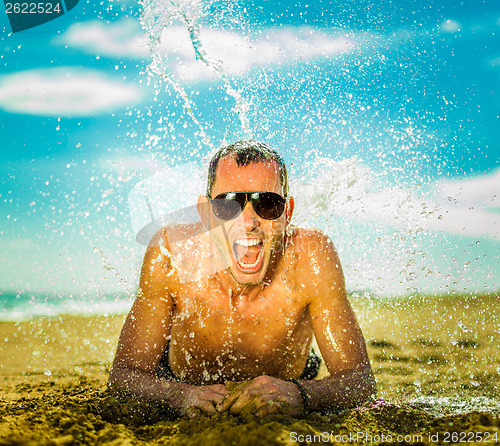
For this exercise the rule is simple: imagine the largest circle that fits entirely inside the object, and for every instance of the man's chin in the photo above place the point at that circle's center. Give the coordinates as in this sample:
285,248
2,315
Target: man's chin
243,277
247,281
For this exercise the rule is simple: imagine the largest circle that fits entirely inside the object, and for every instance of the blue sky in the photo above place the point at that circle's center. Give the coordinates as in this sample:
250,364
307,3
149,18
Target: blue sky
387,112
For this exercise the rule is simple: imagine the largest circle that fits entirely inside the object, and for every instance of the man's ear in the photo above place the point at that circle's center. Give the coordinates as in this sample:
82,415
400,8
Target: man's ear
290,205
204,211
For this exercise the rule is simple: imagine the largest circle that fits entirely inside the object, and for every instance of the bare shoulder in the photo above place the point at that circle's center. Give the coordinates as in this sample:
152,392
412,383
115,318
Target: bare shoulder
158,253
171,255
317,264
312,242
173,233
158,267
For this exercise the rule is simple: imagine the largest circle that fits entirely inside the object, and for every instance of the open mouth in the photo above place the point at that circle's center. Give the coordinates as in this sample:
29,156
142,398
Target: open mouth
249,254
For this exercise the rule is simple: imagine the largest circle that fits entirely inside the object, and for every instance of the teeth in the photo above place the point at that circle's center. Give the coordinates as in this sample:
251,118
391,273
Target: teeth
251,265
248,241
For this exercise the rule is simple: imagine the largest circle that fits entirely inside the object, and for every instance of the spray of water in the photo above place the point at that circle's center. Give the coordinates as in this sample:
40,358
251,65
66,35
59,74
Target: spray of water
157,17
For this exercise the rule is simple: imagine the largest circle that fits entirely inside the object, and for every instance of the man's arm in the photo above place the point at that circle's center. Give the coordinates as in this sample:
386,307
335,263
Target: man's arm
144,338
351,381
339,338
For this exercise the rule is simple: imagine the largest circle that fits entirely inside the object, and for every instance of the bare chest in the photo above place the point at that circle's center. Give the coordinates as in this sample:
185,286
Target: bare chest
269,317
216,331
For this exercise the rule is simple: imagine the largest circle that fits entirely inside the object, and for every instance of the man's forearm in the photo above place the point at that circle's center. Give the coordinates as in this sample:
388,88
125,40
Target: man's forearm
342,390
147,386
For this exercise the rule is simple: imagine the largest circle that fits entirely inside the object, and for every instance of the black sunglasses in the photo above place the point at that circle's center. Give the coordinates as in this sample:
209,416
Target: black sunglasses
267,205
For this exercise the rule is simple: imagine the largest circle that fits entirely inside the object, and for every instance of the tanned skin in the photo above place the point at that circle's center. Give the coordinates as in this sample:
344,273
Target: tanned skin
243,324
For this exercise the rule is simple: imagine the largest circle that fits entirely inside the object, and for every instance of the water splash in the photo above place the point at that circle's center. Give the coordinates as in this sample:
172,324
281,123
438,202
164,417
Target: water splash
368,219
158,16
188,105
351,189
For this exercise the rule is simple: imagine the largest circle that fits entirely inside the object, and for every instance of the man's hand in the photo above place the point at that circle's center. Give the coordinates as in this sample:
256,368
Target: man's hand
201,398
262,396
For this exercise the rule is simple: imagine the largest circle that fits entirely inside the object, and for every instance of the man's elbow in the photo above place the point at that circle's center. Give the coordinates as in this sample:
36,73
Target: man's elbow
120,377
366,387
370,386
358,387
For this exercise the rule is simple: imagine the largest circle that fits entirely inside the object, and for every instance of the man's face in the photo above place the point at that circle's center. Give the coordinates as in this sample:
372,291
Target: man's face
249,241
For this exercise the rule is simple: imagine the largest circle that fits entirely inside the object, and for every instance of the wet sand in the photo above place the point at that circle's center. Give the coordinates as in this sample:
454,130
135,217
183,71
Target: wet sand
436,360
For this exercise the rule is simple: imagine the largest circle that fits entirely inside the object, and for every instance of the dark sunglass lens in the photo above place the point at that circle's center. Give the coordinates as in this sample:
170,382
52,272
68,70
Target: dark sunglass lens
226,207
269,206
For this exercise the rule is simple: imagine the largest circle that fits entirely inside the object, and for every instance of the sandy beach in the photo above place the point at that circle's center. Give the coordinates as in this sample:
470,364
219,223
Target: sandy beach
436,360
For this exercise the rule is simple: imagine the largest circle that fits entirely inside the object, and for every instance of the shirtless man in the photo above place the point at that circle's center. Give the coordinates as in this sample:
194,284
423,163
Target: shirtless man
252,319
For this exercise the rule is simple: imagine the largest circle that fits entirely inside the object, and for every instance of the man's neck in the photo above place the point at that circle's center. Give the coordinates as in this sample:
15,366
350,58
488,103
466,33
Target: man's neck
237,291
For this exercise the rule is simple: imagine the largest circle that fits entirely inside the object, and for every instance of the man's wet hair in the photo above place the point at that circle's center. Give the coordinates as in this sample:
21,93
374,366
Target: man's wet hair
245,152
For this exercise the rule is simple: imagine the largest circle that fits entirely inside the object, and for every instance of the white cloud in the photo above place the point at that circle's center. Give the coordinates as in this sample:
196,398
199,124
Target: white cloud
483,190
126,163
119,39
466,207
495,62
17,244
469,207
237,53
450,26
67,91
351,190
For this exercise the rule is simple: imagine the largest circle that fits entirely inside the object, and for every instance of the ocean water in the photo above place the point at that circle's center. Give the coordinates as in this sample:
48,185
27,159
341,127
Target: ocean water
21,306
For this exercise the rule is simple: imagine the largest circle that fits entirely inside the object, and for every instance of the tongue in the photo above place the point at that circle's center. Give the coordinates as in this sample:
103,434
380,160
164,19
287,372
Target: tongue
248,254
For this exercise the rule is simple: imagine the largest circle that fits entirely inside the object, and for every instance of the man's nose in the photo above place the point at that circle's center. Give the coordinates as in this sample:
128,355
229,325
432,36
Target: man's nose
250,217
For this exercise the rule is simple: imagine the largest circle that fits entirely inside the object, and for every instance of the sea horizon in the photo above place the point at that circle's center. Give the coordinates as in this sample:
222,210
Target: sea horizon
20,306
